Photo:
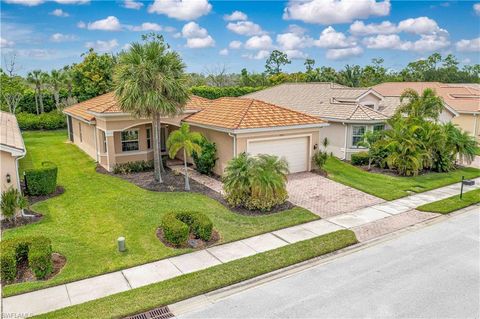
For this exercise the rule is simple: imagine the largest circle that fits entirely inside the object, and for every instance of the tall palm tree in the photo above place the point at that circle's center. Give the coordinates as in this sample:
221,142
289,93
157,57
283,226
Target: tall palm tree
149,82
186,140
35,78
67,77
55,81
426,105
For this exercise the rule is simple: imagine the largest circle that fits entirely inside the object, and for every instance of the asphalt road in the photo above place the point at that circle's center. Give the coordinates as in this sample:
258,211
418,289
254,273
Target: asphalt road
433,272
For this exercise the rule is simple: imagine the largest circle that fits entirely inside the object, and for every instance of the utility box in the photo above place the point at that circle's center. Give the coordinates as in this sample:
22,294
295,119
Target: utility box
121,244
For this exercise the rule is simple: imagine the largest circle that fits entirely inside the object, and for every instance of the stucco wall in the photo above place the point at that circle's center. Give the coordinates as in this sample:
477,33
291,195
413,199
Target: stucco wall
467,123
446,116
87,144
7,166
370,99
335,133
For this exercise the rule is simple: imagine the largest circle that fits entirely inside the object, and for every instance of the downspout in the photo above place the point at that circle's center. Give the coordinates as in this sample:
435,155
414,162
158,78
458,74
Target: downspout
345,143
69,128
475,126
234,143
96,142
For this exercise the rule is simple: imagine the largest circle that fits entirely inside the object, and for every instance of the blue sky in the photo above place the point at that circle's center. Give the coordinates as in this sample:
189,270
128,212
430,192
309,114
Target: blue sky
209,34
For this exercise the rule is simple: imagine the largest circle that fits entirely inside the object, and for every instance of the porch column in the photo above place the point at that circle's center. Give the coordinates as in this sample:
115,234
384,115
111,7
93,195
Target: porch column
111,159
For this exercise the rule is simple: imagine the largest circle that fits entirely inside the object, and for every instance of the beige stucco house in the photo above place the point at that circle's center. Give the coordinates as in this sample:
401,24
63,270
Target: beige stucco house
236,125
12,150
350,112
463,98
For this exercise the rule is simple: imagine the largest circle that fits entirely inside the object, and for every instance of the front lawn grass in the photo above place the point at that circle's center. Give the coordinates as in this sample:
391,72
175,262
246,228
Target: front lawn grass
194,284
392,187
453,203
85,222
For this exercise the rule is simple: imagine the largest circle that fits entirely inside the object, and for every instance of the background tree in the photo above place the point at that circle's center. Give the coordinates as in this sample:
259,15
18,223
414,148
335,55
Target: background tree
55,81
35,77
309,64
189,142
426,105
275,61
150,83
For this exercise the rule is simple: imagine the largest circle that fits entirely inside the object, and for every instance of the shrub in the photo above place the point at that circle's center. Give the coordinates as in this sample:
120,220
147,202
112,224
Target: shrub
37,250
43,180
177,226
205,161
256,182
133,167
212,92
360,158
46,121
320,158
11,202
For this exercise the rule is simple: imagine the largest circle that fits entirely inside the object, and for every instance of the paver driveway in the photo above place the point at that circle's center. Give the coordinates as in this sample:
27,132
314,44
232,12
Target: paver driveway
325,197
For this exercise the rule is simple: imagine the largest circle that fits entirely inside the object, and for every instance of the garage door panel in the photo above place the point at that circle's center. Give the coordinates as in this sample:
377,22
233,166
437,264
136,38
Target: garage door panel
294,150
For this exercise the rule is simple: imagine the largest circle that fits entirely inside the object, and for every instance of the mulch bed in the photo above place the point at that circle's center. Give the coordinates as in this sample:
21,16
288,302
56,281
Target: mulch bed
35,199
192,242
25,274
22,220
175,182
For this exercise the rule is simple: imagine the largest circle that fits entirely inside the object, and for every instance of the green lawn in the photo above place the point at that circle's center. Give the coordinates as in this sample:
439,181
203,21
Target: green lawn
392,187
85,221
173,290
453,203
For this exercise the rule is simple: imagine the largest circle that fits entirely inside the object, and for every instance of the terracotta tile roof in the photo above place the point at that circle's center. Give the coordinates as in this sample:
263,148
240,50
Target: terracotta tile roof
324,100
10,135
461,97
243,113
107,103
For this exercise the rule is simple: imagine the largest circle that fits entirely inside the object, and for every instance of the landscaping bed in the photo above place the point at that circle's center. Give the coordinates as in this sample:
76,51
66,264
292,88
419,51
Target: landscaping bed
200,282
32,199
192,242
32,217
25,273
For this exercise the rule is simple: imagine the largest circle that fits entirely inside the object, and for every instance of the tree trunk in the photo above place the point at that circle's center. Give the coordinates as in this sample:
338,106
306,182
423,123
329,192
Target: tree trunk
40,95
187,183
56,95
159,129
36,101
156,150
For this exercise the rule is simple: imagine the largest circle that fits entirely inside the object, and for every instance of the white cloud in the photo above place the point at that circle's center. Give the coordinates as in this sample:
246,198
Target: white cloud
146,26
60,37
472,45
181,9
235,44
476,8
235,16
293,28
256,42
29,3
245,28
361,29
291,41
429,43
260,55
102,46
4,43
331,39
197,37
383,41
72,1
295,54
132,4
110,23
169,29
81,25
223,52
340,54
420,25
59,13
334,11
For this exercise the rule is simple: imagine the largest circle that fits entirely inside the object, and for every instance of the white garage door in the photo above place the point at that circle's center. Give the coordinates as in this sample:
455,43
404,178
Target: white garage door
294,150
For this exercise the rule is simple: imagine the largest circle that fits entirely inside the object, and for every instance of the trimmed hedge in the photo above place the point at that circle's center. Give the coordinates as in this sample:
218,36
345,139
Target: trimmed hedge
45,121
43,180
133,167
213,92
177,226
360,158
37,250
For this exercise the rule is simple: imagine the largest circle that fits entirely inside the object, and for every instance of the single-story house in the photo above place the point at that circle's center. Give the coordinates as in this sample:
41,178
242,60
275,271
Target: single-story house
110,136
350,112
12,149
464,98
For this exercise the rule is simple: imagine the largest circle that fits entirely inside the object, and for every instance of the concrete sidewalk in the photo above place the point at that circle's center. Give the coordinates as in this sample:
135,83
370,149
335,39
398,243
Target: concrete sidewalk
367,223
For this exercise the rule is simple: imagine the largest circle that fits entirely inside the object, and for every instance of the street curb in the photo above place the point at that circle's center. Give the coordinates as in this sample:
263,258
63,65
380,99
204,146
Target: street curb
200,301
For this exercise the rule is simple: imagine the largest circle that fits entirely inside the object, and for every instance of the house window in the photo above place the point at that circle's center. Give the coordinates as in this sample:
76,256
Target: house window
378,127
149,138
130,140
357,134
80,131
104,136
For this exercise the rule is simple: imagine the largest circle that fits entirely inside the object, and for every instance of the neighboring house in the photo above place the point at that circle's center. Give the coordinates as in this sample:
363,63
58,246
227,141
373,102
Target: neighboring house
11,150
350,112
464,98
108,135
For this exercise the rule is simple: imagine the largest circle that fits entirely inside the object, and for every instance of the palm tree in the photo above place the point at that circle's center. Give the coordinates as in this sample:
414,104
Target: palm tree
150,82
35,78
427,105
186,140
67,78
463,144
237,179
55,81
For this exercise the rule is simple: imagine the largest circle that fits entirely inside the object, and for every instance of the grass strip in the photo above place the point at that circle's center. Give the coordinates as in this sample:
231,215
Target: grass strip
453,203
197,283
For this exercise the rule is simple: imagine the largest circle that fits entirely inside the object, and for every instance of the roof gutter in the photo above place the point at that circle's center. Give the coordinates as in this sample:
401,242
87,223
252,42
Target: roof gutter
260,129
354,121
79,118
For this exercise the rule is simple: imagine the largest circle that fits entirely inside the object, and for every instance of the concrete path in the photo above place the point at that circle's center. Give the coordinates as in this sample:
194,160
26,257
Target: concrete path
432,272
367,223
